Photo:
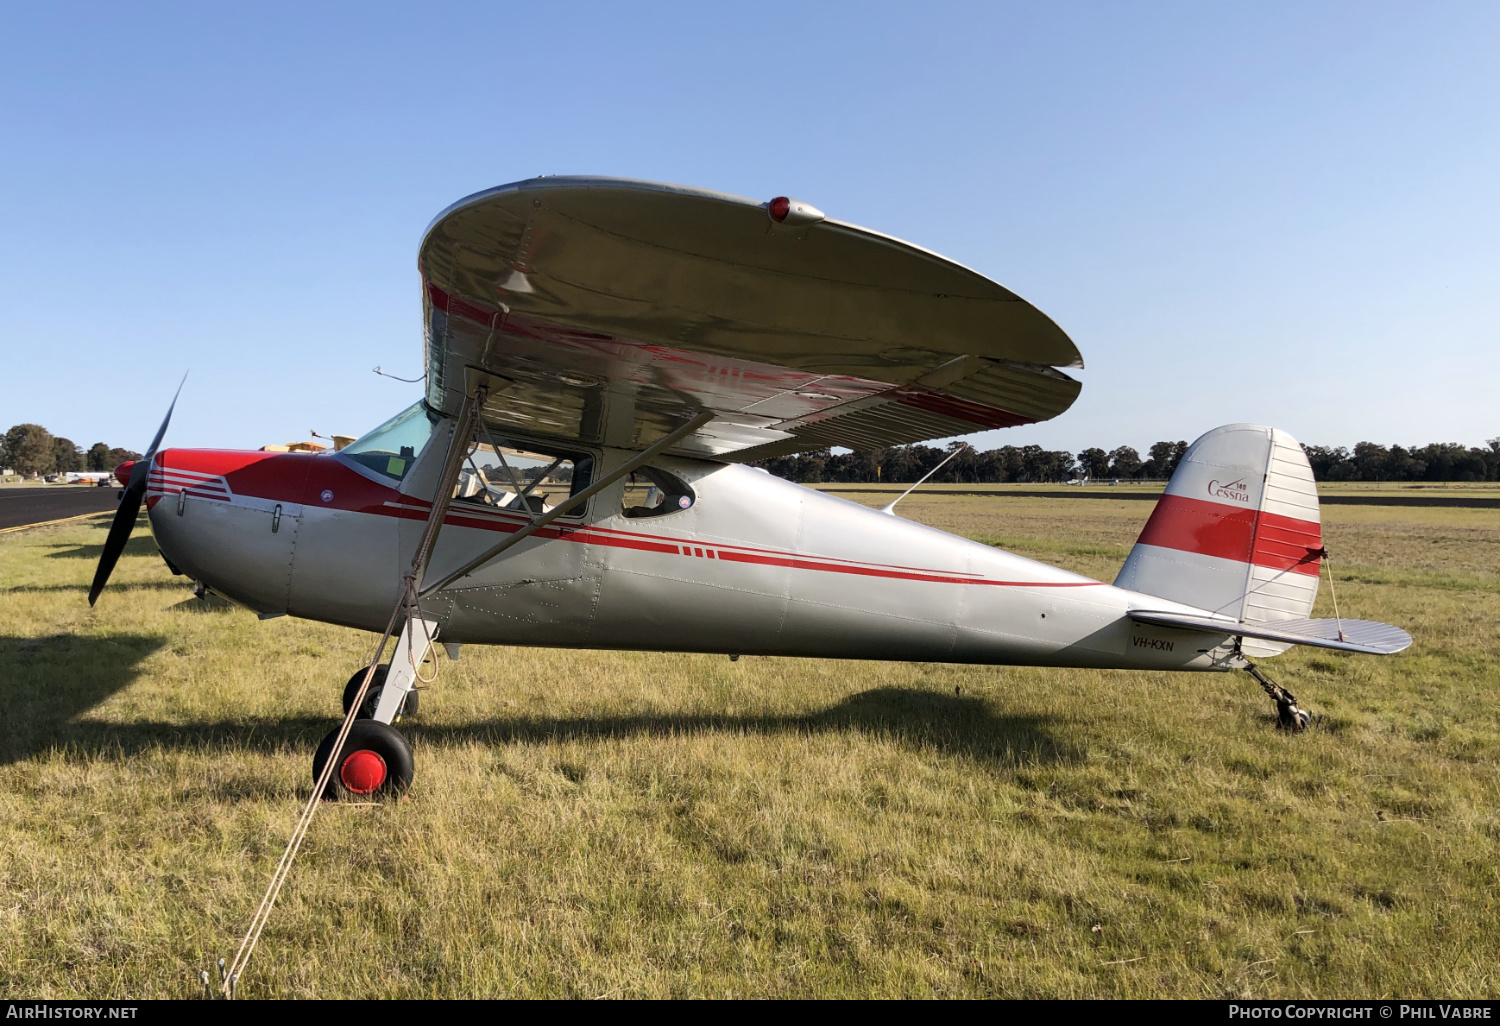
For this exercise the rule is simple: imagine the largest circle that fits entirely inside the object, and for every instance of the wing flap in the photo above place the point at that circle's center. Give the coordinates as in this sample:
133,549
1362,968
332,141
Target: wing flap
1365,636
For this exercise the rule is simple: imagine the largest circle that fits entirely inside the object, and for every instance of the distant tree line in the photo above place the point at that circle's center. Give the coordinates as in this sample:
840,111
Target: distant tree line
1440,461
32,451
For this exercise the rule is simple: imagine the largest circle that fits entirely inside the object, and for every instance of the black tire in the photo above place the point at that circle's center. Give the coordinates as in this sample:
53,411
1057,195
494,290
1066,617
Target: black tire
372,697
393,765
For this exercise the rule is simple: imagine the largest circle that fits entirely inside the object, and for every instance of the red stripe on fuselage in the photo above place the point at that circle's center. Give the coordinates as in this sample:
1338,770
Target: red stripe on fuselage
1233,532
305,478
279,476
627,539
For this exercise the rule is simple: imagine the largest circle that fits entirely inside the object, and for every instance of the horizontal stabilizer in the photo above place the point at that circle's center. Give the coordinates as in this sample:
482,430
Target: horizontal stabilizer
1365,636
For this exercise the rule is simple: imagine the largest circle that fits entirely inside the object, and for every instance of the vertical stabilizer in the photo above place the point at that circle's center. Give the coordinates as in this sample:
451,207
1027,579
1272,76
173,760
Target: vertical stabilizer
1237,531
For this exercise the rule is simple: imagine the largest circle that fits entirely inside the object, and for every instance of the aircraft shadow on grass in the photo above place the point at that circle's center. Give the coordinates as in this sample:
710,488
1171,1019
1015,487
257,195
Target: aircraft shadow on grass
949,724
51,681
57,680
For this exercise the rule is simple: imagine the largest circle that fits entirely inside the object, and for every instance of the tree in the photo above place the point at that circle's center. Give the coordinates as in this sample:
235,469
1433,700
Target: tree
98,457
1327,464
1450,461
1038,464
28,450
65,456
1163,459
118,456
1124,462
1002,464
811,465
1094,462
1400,465
1371,462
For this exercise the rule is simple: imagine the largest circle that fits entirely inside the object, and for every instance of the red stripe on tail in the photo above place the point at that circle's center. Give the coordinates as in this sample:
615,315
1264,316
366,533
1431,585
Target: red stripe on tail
1229,532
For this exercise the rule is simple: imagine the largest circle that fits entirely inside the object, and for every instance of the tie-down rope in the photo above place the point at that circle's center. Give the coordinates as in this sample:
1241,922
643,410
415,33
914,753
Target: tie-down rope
408,604
231,974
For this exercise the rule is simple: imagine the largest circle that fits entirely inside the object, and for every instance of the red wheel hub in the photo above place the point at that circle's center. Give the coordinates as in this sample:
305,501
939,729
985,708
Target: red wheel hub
362,771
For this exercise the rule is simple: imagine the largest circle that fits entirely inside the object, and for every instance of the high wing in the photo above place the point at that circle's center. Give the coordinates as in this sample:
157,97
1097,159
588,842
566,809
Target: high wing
608,311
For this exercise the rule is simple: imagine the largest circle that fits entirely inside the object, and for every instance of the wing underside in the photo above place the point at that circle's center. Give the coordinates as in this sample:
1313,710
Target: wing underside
608,311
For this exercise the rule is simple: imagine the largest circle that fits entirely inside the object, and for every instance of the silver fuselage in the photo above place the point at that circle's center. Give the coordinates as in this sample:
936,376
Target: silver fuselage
757,565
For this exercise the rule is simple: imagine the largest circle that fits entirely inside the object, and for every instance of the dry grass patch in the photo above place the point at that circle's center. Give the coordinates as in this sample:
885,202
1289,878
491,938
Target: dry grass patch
640,824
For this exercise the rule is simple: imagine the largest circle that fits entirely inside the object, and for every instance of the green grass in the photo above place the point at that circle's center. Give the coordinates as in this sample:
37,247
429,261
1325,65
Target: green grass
606,824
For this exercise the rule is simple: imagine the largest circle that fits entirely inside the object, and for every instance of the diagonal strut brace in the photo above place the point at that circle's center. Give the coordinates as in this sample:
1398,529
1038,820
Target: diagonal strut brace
562,508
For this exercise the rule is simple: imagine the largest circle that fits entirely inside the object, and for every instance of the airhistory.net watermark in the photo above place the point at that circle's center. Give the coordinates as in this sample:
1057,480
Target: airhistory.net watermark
67,1010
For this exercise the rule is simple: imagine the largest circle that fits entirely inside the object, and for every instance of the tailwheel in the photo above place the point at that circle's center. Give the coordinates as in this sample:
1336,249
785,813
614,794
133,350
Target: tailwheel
372,697
375,763
1289,716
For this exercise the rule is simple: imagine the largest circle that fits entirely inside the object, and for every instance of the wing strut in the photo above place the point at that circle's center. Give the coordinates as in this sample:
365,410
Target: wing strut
634,463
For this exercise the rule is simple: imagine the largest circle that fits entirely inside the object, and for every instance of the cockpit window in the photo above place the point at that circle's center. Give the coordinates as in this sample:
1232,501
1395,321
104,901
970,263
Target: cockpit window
652,492
392,448
514,475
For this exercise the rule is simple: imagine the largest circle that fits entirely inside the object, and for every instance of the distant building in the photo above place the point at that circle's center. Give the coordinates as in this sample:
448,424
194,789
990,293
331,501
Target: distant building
295,447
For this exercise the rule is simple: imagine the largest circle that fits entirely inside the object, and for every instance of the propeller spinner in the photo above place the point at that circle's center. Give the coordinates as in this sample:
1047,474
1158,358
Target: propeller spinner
130,506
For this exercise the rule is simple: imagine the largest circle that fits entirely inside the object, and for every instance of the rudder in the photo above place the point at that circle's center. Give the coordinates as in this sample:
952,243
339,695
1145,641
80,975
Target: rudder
1237,531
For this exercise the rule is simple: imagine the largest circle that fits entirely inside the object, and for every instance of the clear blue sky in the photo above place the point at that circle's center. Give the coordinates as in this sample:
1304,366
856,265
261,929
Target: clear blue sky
1283,213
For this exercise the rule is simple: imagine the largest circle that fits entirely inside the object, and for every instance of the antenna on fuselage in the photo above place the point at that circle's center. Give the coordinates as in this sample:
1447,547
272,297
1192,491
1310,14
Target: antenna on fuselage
891,509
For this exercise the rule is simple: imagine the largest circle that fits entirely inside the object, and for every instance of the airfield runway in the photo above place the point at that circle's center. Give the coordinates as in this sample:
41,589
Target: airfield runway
23,506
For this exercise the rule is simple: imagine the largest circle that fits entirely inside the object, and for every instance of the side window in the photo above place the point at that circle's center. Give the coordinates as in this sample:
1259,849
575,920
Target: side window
509,475
652,492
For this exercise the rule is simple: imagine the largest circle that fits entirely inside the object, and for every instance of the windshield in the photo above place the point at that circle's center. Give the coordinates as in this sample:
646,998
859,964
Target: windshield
392,447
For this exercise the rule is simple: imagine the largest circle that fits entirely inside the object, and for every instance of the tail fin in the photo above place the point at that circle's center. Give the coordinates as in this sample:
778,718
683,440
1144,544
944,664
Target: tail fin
1237,532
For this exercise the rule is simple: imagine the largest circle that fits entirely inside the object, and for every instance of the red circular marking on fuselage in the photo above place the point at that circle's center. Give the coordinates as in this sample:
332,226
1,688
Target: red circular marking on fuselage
362,771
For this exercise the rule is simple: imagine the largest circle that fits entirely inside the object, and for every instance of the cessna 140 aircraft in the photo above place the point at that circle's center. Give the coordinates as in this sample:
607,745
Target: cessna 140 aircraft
603,359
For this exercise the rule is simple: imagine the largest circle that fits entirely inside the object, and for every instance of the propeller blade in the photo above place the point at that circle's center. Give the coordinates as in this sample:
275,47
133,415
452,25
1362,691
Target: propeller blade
120,528
130,506
165,421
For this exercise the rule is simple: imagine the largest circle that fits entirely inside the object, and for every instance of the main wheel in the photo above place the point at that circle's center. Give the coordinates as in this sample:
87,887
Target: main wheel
372,697
375,762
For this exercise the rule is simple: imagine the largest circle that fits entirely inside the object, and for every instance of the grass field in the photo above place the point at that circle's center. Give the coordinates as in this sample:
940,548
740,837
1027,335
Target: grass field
602,824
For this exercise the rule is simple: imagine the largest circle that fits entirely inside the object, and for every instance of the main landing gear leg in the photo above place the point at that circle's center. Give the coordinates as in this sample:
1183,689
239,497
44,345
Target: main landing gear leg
411,648
1289,716
374,760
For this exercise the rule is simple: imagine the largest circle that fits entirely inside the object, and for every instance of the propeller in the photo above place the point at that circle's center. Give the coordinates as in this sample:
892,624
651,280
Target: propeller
130,506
